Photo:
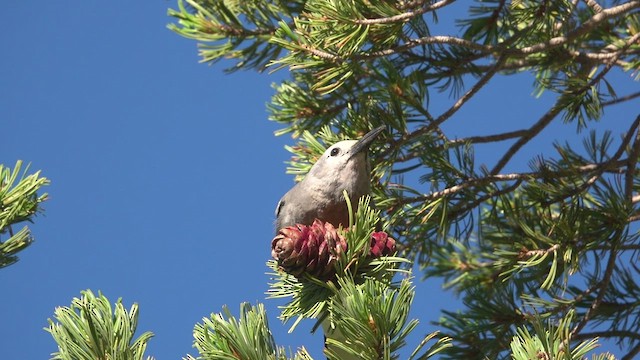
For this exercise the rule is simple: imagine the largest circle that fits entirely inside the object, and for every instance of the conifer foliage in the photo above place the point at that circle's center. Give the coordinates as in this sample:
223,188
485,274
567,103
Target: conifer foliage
542,252
554,244
19,203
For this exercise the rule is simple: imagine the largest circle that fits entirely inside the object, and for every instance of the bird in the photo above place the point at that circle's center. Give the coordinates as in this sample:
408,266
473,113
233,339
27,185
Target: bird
343,166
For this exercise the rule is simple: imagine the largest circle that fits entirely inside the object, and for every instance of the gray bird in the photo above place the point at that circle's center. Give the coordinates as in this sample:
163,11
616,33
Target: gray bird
343,166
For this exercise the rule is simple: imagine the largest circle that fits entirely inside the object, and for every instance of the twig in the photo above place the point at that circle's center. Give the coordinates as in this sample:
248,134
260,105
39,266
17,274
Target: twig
531,253
599,57
457,188
587,26
437,39
530,133
404,16
468,95
555,110
403,5
621,99
633,218
634,39
627,138
462,209
632,161
322,54
600,167
504,48
604,284
455,107
632,354
620,248
489,138
594,6
607,334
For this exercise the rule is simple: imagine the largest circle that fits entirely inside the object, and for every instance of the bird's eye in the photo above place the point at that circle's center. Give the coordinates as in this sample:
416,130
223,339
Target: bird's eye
335,151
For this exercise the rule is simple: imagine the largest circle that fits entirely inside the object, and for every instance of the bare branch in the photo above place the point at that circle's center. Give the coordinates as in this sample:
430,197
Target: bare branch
468,95
594,6
530,133
322,54
632,161
457,188
530,253
489,138
632,354
405,16
613,163
621,99
627,138
438,39
462,209
415,4
633,218
604,284
607,334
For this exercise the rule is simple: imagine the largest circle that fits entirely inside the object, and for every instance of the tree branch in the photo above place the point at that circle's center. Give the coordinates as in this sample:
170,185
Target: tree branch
530,133
604,284
632,161
555,110
594,6
632,354
462,209
488,138
621,99
607,334
436,39
603,166
587,26
468,95
404,16
530,253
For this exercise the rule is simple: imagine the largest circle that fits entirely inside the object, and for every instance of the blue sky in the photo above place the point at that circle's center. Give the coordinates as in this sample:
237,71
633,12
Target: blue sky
164,172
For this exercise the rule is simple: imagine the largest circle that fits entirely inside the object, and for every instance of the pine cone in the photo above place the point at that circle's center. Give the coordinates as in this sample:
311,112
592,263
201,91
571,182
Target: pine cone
312,249
382,245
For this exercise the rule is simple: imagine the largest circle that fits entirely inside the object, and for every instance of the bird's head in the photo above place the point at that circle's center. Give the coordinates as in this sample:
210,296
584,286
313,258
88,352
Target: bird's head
348,156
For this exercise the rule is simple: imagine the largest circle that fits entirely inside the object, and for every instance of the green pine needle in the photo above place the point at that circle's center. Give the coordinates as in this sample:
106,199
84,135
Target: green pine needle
91,329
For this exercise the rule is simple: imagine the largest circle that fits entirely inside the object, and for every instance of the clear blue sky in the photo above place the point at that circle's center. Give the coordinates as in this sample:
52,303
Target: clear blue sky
165,172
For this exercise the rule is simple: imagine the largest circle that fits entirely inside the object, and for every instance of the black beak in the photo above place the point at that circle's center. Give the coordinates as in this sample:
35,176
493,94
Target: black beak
366,140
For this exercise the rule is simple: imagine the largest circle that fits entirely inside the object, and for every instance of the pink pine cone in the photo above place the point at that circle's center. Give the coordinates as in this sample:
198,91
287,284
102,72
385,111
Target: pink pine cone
310,249
382,244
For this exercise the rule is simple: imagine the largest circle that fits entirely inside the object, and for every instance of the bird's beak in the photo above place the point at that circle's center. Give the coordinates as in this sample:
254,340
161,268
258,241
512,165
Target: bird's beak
366,140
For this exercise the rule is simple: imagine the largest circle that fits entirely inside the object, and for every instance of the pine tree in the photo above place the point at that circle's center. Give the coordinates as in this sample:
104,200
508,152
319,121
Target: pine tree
544,259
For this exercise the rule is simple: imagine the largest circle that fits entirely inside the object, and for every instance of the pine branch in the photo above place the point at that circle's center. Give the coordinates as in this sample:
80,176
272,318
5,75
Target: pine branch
632,161
622,99
91,329
599,168
19,202
511,243
405,16
549,342
602,287
587,26
632,354
223,336
590,24
546,119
